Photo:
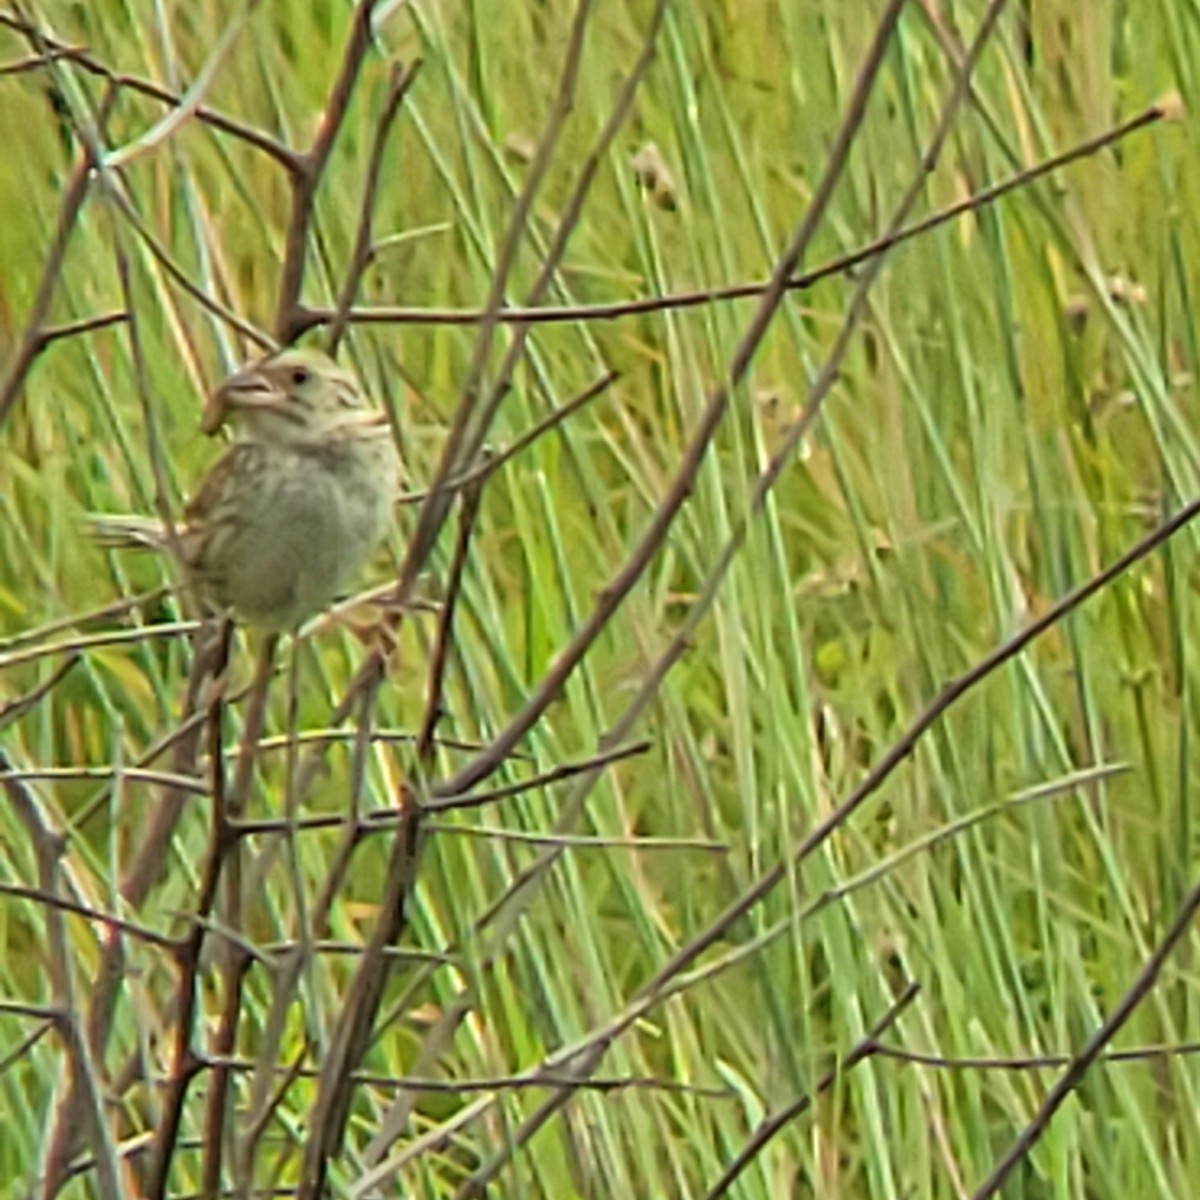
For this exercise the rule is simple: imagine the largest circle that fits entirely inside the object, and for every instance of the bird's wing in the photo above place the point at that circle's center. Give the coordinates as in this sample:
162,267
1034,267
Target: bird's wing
206,514
117,531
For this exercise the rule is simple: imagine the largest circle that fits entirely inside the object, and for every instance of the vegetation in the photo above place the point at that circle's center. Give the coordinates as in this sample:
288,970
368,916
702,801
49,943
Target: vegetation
722,788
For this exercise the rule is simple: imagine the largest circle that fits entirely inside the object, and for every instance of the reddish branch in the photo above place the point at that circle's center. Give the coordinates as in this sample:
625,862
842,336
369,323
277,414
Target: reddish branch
307,170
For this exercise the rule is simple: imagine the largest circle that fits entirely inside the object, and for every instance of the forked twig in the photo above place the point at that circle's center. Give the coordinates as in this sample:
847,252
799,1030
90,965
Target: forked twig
770,1126
33,339
83,1079
643,554
184,1063
307,170
843,264
145,87
400,79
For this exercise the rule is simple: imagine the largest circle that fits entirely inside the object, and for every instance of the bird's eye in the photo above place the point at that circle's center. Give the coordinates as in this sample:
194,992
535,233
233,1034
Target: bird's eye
300,376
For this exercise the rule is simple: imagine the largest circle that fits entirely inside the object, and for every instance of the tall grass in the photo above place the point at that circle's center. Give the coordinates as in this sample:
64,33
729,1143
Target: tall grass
1015,410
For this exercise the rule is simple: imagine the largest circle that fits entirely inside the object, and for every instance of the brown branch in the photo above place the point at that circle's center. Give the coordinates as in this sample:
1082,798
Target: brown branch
614,593
246,133
400,79
33,339
771,1125
47,1018
83,1074
14,710
1070,1079
352,1032
262,1111
555,775
841,265
552,420
184,1064
327,737
433,511
108,612
499,1083
19,66
307,170
382,819
178,275
440,655
398,954
58,333
121,637
38,895
1035,1062
578,841
566,227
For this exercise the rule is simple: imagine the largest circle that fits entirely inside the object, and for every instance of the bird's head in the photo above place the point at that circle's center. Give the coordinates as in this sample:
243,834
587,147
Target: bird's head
289,396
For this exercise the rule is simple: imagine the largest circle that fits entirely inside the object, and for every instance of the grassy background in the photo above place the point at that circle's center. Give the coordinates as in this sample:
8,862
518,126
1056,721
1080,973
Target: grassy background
1016,410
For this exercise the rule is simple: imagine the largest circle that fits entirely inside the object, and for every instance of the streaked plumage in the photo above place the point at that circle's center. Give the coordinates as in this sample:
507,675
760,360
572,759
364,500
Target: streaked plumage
297,503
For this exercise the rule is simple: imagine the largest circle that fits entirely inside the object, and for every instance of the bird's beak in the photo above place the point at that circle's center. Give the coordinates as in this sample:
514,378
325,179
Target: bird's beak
248,388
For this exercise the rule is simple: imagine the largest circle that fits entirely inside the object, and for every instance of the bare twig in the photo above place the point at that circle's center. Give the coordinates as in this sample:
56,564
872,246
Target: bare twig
119,637
353,1029
307,170
440,655
83,1076
552,420
33,62
1034,1062
33,339
163,130
453,459
614,593
578,841
108,612
116,194
695,298
555,252
611,596
184,1064
145,87
14,710
38,895
771,1125
1083,1061
498,1083
557,774
70,329
400,79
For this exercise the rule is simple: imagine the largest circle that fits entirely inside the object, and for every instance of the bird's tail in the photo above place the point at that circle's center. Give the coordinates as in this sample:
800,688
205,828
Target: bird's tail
120,532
